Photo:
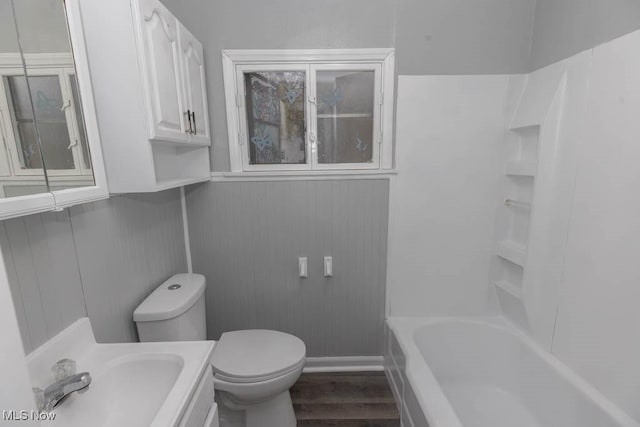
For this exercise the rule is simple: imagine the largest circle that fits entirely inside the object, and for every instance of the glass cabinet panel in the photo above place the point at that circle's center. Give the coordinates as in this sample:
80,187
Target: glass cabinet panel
275,110
345,117
26,138
20,150
52,93
48,106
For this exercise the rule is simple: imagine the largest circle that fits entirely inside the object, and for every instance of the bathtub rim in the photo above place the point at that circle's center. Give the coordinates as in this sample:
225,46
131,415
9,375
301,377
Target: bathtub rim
439,412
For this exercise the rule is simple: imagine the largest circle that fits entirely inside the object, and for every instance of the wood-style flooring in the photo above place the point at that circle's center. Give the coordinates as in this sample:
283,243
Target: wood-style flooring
350,399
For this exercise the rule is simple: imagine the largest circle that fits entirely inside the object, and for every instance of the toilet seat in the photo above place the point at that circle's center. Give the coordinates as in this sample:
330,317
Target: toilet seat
256,355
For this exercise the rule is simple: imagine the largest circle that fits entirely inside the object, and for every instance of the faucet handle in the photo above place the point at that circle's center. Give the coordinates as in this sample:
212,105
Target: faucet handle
63,369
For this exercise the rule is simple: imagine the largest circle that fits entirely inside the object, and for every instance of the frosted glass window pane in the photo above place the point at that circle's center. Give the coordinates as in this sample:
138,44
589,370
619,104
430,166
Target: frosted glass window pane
20,97
50,118
275,102
28,144
47,98
55,145
345,116
345,140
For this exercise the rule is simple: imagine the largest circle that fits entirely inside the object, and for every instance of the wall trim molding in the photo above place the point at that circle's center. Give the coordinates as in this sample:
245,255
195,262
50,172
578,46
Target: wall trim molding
344,364
302,175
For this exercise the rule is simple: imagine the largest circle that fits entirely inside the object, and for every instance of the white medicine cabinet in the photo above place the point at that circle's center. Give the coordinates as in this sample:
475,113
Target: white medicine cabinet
149,75
50,156
291,111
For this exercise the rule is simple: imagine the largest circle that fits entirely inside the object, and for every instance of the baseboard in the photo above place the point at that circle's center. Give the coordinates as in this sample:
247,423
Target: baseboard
344,364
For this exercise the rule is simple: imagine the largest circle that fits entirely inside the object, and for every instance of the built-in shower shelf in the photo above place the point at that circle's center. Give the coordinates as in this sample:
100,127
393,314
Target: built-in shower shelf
525,128
521,168
509,288
512,252
520,204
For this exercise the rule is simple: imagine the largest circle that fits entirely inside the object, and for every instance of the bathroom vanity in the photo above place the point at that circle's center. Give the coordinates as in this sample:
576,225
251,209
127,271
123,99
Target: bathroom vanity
133,384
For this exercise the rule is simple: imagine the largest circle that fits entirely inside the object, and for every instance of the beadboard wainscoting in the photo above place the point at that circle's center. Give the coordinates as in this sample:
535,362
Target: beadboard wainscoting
43,272
246,238
126,248
99,259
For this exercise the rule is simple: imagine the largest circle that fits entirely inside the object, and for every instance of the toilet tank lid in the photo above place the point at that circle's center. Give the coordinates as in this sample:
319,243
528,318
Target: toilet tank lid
172,298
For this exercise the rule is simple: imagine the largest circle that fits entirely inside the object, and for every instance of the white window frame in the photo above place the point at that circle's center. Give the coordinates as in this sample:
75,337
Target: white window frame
237,62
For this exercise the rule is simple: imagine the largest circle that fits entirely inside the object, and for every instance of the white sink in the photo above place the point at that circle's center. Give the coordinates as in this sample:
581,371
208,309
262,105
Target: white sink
133,384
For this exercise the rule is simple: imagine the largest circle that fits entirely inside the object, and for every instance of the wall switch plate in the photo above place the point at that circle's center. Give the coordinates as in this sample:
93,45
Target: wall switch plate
302,267
328,266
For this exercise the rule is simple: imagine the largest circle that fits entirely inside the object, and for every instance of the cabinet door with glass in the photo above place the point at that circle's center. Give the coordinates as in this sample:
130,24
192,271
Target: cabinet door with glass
308,116
47,121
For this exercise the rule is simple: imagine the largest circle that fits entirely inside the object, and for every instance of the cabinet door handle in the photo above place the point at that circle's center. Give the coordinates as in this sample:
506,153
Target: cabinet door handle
195,129
188,114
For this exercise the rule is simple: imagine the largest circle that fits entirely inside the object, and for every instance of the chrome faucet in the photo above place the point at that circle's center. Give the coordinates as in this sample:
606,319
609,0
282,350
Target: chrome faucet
67,383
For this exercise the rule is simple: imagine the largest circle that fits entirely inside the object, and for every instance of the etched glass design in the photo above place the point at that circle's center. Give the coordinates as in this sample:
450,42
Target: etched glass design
275,107
345,116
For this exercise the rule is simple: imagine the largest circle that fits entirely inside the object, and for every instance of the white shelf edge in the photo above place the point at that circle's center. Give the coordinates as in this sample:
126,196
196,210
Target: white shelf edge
181,182
509,288
512,252
174,144
302,175
346,116
523,127
521,168
519,204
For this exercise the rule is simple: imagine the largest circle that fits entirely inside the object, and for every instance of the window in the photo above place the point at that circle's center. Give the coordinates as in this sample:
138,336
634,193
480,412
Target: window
54,93
275,116
309,110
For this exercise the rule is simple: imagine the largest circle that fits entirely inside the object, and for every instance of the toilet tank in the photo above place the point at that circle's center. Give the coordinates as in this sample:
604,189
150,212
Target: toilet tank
175,311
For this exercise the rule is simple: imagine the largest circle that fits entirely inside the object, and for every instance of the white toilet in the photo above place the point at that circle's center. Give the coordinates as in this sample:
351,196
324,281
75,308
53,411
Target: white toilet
253,369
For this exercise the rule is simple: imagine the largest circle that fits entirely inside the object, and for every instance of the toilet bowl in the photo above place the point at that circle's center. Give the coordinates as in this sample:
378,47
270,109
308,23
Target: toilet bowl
253,369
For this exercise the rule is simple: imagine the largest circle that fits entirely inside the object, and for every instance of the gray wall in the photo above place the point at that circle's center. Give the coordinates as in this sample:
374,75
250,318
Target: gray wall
99,259
249,254
566,27
463,37
42,17
40,257
246,238
276,24
430,36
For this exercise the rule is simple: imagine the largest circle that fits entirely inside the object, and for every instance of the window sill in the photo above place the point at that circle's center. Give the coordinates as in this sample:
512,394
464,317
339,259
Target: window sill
302,175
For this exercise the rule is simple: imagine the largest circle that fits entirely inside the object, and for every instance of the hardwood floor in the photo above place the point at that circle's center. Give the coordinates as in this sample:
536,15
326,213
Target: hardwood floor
350,399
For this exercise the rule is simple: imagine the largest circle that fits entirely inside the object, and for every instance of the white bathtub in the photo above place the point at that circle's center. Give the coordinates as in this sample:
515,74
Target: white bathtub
460,372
